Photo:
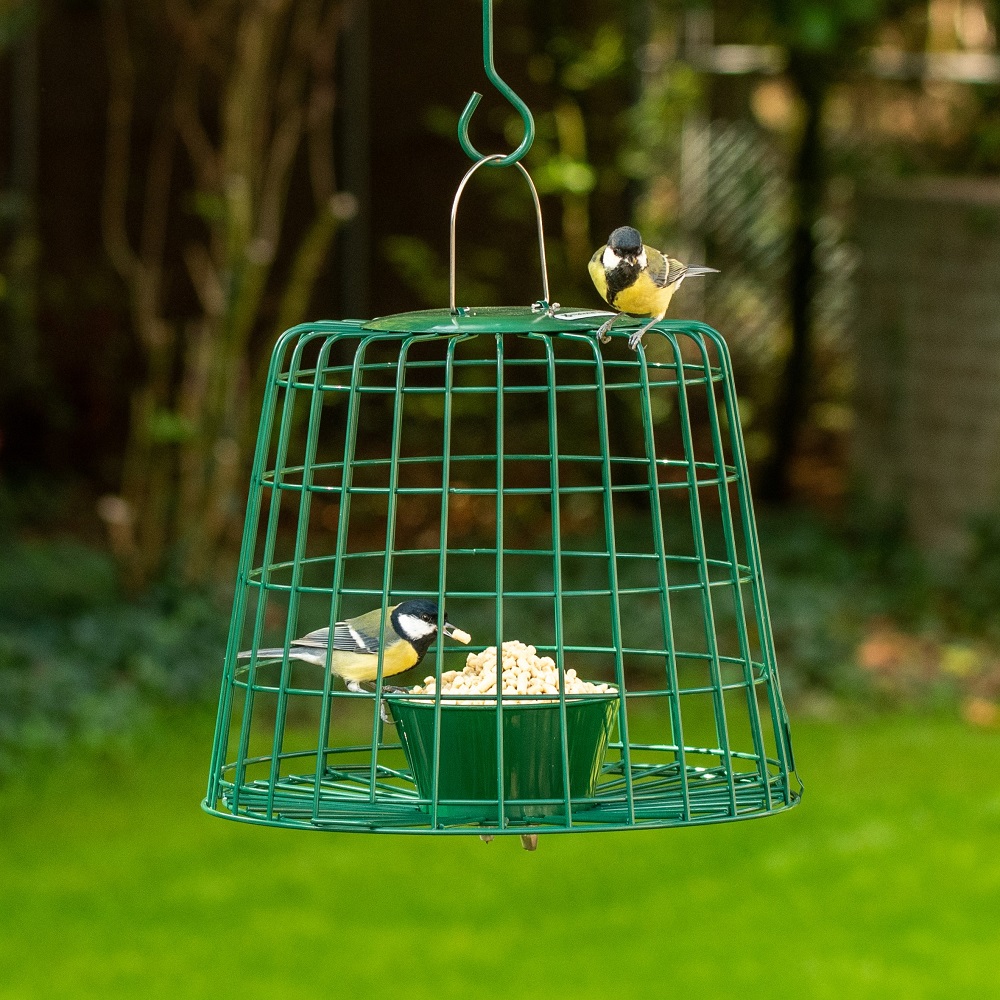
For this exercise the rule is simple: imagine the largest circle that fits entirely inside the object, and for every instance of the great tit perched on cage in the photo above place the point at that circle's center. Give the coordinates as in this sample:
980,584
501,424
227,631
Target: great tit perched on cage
410,630
636,279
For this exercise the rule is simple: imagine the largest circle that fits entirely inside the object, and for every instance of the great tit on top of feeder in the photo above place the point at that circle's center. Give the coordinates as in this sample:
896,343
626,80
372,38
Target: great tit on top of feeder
410,630
636,279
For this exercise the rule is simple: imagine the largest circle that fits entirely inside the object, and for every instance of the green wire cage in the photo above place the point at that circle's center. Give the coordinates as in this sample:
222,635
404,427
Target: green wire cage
636,564
590,501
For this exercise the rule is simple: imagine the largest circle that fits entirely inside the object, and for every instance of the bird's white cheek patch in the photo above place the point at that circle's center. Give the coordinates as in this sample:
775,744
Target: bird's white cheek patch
610,259
641,260
415,627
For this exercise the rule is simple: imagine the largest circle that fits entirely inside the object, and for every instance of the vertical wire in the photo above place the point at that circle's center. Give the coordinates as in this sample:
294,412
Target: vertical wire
782,735
220,743
390,551
500,448
557,584
733,557
295,585
660,545
613,585
347,472
449,380
698,535
281,452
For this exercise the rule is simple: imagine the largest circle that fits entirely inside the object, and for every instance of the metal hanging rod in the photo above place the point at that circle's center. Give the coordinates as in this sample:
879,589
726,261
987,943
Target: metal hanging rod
494,77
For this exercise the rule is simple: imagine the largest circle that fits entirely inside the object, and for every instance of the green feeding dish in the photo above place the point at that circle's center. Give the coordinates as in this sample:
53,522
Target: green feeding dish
582,498
534,765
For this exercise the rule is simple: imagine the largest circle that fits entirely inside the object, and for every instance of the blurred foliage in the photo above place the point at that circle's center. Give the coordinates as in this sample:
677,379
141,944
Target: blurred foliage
426,274
79,661
17,17
859,611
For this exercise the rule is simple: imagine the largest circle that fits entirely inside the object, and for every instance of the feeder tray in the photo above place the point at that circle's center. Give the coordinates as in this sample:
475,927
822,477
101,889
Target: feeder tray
592,501
534,783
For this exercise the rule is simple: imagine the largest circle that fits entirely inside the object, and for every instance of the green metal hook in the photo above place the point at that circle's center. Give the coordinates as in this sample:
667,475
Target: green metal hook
522,109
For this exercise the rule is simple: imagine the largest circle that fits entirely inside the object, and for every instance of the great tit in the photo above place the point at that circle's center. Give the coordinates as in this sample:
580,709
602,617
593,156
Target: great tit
636,279
411,629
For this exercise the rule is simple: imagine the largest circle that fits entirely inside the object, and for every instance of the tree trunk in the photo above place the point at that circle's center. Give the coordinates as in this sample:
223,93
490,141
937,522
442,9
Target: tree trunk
808,181
271,66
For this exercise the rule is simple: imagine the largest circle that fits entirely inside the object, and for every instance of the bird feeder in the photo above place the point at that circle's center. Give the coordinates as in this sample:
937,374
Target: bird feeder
589,500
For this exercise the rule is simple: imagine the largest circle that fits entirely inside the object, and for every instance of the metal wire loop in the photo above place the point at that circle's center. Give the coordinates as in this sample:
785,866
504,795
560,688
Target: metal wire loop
495,158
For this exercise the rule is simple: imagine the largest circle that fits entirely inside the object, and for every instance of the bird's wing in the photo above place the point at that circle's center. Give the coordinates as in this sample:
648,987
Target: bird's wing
598,274
345,638
351,640
662,269
321,637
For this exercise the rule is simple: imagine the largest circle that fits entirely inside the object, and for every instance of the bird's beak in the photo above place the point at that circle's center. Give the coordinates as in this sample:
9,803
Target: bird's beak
456,633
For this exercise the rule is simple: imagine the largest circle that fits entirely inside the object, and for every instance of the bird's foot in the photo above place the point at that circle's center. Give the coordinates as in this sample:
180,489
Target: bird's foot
369,687
604,330
635,338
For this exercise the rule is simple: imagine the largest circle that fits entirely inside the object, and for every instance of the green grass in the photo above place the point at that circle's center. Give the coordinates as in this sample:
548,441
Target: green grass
884,883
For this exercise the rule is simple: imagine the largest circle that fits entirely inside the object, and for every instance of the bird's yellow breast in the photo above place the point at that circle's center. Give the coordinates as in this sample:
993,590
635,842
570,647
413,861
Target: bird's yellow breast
598,275
364,666
644,297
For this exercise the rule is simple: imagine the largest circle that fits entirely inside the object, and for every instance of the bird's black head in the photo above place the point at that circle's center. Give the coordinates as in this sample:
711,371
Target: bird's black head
416,621
626,242
426,611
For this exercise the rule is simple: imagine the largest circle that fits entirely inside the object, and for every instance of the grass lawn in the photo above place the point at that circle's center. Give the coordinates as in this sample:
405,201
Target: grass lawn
884,883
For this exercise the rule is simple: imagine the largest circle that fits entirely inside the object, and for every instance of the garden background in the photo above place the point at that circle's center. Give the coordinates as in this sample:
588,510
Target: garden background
181,180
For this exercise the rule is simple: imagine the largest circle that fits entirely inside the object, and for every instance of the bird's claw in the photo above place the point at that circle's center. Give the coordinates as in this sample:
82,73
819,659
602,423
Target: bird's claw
635,339
362,687
604,330
369,687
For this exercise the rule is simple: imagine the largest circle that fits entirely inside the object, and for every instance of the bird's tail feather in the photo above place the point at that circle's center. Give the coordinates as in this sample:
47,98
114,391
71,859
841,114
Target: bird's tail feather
262,655
693,272
265,654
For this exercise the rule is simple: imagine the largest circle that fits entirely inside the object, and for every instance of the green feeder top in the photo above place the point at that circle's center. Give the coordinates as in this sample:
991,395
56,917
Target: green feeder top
490,319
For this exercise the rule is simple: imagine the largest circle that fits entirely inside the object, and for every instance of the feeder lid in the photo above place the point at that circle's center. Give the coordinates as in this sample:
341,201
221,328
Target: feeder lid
490,319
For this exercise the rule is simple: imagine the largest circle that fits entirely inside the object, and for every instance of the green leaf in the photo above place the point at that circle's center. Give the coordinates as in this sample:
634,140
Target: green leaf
817,27
166,427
